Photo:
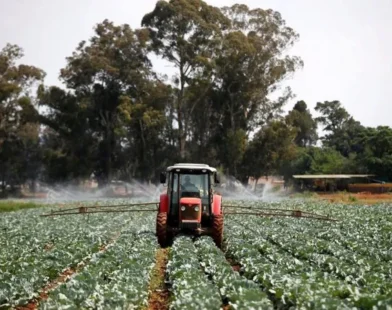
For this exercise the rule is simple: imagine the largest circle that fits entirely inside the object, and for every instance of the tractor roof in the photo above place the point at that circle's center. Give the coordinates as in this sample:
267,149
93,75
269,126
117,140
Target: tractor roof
186,166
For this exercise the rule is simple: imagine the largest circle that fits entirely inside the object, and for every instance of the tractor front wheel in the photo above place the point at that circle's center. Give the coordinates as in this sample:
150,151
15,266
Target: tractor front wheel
217,230
162,228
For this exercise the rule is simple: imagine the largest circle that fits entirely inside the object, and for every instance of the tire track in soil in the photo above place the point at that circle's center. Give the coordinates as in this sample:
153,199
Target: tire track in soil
63,277
235,265
159,294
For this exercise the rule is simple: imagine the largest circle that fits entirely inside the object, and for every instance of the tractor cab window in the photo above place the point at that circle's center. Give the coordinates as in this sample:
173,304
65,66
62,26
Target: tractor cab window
194,185
188,183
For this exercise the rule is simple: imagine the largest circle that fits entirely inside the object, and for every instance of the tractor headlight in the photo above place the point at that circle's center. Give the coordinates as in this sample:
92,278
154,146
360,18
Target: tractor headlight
183,208
197,209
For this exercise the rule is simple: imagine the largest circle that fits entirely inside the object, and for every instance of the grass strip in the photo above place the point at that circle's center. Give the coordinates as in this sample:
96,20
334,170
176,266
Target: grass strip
10,205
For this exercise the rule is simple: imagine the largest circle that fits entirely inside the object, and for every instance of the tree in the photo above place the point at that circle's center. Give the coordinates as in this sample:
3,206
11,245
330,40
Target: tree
69,141
342,130
269,149
334,115
302,120
18,131
251,66
368,149
111,77
377,151
317,160
187,34
227,68
145,143
235,147
327,161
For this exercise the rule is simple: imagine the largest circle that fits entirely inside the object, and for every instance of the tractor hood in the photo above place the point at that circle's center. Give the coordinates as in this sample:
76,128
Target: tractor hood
190,211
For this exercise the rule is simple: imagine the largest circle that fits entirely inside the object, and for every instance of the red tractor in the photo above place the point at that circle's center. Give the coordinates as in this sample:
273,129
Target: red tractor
190,204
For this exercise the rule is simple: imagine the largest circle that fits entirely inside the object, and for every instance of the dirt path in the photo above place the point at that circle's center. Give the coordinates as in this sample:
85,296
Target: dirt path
63,277
236,266
159,294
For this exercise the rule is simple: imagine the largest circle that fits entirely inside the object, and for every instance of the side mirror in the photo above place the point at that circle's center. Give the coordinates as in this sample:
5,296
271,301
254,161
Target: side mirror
216,178
163,177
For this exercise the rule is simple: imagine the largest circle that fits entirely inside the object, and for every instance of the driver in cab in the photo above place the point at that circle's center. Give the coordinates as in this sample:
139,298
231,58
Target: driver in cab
187,186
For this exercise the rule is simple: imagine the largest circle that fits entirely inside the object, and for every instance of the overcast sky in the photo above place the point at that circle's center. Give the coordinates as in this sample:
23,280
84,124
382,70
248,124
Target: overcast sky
346,45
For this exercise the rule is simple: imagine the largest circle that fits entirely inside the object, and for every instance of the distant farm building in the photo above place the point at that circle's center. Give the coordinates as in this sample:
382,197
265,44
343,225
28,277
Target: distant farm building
339,182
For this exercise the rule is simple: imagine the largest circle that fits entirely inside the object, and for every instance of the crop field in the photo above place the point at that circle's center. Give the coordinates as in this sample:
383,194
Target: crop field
111,261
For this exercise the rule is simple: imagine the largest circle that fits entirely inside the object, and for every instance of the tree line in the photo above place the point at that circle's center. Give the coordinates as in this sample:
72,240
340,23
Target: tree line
117,117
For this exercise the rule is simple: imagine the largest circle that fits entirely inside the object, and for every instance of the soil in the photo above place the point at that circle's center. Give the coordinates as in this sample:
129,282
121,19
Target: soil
361,198
48,246
159,296
234,265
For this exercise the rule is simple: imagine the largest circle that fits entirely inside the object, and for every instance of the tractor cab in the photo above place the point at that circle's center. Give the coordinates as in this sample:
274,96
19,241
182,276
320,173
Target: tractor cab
190,203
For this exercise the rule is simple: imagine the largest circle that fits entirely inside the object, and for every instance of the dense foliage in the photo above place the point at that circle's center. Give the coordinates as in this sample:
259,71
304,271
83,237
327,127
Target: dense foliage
117,278
237,291
116,117
36,250
281,262
190,285
318,265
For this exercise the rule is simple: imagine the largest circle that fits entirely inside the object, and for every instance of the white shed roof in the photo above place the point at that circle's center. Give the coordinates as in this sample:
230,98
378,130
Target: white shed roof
331,176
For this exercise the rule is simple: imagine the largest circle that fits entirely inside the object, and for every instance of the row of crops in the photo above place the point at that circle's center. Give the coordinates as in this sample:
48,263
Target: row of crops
203,279
118,251
284,263
116,279
312,264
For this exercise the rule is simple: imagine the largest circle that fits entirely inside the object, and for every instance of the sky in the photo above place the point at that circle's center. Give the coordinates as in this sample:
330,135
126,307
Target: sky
346,45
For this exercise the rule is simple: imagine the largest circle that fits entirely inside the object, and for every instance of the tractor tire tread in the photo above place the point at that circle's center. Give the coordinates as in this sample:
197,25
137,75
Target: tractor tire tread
217,234
162,228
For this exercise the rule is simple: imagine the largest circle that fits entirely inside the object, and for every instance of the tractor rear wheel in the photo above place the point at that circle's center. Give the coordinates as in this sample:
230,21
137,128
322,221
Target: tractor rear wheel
162,228
217,230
